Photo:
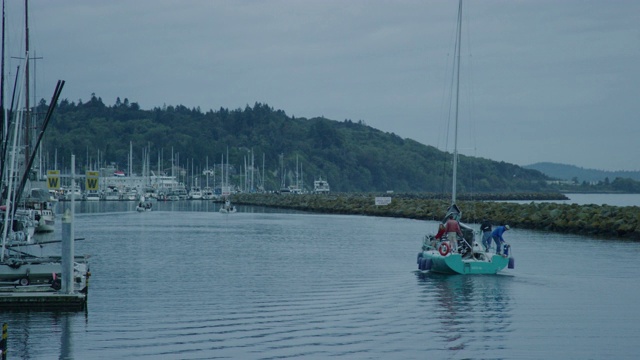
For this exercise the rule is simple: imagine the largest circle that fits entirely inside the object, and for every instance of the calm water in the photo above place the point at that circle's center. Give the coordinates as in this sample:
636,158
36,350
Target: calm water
609,199
597,199
186,282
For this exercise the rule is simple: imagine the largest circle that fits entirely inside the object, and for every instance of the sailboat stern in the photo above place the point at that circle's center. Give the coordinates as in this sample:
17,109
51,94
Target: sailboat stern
480,263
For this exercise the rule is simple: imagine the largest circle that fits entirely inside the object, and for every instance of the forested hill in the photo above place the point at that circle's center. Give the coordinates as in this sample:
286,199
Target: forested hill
350,155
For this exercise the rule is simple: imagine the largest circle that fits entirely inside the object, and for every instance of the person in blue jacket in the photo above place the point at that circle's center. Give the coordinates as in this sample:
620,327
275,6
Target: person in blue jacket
497,236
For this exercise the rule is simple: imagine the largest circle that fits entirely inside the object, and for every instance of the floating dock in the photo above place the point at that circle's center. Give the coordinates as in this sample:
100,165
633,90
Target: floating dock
40,300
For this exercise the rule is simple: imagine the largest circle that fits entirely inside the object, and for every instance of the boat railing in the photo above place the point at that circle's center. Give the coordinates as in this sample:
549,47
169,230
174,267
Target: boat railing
431,243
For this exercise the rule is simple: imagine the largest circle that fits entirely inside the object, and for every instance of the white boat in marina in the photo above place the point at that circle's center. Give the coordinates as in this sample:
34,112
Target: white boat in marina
111,194
130,195
208,194
150,193
180,191
75,193
92,195
195,193
207,191
172,196
321,186
45,221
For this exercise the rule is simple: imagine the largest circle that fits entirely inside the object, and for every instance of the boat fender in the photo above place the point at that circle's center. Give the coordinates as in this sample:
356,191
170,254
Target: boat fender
444,249
419,257
421,265
512,263
428,264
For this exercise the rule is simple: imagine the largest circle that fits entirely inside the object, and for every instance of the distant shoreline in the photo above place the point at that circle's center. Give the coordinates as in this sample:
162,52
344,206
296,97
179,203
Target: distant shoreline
600,192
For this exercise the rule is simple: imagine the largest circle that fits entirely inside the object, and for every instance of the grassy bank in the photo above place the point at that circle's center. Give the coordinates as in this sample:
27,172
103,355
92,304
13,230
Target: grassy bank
598,220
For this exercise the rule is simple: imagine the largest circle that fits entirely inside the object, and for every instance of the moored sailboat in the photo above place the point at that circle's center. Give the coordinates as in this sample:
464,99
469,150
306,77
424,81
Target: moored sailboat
38,202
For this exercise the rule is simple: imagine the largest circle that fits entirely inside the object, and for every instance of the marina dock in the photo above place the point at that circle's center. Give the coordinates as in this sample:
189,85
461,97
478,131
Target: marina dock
33,300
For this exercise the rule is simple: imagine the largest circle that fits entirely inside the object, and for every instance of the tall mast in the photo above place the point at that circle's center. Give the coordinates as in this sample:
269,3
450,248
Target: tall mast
9,203
455,143
282,180
3,126
27,128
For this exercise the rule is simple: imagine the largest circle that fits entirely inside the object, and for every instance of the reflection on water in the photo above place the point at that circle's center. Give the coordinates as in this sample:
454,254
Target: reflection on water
66,340
26,329
472,310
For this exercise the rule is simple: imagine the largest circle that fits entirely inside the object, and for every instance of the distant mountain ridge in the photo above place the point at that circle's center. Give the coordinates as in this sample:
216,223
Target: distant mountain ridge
569,172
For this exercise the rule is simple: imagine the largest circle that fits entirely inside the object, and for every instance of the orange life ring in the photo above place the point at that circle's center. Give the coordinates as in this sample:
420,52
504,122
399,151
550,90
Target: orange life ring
443,249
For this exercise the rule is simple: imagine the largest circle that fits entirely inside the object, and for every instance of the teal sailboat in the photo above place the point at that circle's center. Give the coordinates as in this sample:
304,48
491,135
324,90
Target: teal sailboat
469,257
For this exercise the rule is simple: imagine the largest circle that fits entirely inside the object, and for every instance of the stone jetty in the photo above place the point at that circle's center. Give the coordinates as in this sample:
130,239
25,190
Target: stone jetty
602,221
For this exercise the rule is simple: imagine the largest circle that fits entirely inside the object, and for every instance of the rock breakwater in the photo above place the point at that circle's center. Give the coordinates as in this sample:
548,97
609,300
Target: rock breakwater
595,220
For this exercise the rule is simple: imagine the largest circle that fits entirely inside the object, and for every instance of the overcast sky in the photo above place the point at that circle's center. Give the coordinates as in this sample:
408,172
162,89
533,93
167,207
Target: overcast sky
542,80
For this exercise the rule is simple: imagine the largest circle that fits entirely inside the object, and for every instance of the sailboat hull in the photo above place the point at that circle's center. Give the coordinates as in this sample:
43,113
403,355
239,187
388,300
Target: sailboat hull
482,263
